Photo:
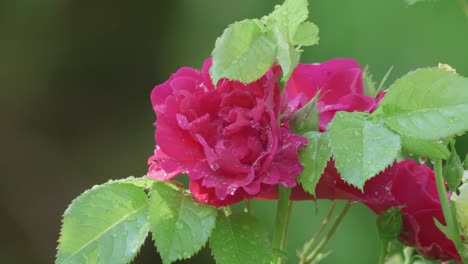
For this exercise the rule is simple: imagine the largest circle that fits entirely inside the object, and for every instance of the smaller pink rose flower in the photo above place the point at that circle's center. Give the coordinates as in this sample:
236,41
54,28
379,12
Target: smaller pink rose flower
340,86
407,183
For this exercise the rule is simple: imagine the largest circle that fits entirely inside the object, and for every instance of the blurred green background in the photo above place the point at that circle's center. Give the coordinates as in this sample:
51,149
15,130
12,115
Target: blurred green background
75,79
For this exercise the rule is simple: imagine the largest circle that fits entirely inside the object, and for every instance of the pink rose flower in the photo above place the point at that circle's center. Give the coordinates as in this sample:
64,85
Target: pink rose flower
340,86
414,187
226,139
407,183
339,82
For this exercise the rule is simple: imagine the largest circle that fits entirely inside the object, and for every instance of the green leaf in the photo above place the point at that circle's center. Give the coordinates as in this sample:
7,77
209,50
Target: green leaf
243,52
361,148
305,119
142,182
240,239
314,158
288,56
425,148
289,15
286,27
180,225
370,86
427,104
106,224
306,34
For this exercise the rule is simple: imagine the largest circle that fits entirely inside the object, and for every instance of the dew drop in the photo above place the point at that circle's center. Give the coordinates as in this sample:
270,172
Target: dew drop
179,226
214,166
422,160
231,189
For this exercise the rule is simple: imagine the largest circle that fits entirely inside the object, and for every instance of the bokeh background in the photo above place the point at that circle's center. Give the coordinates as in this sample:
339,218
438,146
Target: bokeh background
75,79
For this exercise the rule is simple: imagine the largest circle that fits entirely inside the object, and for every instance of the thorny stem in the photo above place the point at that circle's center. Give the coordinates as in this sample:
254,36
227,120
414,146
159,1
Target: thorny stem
310,243
283,215
330,233
448,210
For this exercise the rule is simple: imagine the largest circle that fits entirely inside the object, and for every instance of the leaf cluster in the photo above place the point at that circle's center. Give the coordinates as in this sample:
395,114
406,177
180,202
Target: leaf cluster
110,222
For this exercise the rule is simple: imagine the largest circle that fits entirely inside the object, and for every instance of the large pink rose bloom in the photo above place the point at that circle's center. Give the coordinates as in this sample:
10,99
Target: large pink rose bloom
226,139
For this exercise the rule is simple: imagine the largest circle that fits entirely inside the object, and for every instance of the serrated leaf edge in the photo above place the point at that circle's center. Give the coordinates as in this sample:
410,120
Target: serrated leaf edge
95,187
361,187
196,249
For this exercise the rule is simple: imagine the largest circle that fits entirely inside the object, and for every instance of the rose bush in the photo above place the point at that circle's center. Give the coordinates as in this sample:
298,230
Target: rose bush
406,183
226,139
231,143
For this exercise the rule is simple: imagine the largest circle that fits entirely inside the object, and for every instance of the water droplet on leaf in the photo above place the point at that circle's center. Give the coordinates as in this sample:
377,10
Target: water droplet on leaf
422,160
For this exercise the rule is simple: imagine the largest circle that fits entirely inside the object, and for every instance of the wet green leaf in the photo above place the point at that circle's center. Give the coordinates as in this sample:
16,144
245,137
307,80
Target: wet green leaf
106,224
361,147
427,104
180,226
243,52
314,158
240,239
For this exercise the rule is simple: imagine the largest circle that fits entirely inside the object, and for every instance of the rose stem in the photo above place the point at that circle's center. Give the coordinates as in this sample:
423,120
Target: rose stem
330,233
283,214
448,210
308,245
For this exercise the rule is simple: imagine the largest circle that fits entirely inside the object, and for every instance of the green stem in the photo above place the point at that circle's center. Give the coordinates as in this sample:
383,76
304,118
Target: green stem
310,243
330,233
283,215
448,210
383,251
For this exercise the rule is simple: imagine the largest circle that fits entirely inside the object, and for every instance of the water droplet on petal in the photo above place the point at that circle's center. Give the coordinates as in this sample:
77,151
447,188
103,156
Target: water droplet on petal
231,189
214,166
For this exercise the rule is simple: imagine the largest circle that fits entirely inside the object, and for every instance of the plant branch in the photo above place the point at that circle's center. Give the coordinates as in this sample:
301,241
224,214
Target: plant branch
330,233
310,243
283,215
448,210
